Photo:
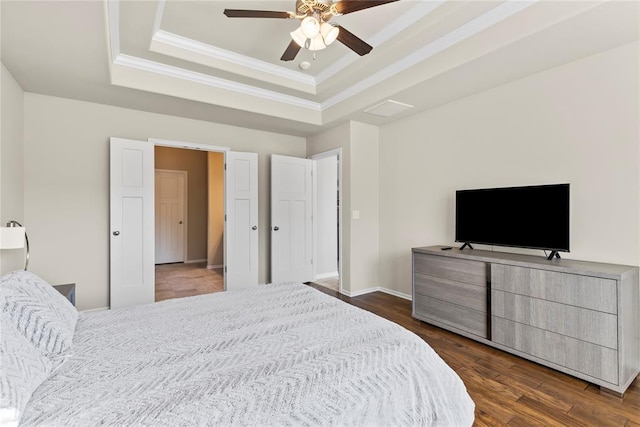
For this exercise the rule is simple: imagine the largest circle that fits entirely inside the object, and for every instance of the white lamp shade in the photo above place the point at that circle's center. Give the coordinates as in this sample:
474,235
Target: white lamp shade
329,33
310,27
12,237
298,37
317,43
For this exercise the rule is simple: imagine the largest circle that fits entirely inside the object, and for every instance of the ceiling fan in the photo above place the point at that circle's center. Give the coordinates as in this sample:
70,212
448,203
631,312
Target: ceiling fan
315,31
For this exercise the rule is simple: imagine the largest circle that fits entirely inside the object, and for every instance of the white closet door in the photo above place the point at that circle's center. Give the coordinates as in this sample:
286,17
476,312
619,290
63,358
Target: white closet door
170,216
132,251
291,219
241,226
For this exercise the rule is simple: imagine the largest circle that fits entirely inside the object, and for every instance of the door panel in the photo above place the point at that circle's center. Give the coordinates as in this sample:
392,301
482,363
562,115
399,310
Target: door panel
170,216
241,226
291,219
132,276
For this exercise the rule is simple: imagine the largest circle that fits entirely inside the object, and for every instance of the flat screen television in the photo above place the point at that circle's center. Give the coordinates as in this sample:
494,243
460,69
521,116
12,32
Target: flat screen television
535,217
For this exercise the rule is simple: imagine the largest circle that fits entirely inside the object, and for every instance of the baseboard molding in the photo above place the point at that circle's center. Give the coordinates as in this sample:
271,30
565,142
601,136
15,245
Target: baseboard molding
91,310
326,275
378,289
213,267
193,261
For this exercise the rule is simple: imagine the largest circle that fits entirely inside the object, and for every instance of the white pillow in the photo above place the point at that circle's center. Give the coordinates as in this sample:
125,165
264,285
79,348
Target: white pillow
38,312
23,367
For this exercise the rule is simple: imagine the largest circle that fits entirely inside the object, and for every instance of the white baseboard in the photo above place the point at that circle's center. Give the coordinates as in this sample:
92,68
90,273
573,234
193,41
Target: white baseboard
378,289
212,267
193,261
326,275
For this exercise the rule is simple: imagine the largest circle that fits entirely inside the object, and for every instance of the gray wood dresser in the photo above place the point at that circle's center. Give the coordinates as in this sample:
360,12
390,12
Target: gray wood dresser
581,318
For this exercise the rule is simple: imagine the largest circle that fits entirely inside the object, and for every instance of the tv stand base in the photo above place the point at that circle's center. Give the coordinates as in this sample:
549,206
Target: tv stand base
553,254
465,245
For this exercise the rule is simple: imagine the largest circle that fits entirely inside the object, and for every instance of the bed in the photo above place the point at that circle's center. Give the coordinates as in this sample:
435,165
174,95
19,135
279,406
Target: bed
281,354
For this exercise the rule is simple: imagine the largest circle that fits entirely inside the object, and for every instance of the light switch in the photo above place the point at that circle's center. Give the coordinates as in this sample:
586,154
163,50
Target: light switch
356,215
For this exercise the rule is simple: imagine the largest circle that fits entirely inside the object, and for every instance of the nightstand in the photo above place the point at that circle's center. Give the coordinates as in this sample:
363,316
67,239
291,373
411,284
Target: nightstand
69,292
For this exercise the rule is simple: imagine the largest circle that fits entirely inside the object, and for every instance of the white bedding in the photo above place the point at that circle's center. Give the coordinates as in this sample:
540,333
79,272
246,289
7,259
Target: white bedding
280,355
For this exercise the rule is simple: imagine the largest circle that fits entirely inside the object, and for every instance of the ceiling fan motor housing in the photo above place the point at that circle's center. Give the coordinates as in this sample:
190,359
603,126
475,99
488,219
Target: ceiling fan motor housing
304,7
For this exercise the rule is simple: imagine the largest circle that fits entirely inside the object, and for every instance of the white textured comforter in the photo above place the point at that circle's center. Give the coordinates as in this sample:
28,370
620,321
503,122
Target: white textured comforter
280,355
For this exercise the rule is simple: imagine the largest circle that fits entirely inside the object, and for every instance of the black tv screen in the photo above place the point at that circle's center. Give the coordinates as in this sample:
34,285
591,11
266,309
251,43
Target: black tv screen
528,217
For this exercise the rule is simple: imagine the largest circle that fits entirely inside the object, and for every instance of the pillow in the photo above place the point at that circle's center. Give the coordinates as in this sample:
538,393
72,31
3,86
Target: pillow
38,312
23,367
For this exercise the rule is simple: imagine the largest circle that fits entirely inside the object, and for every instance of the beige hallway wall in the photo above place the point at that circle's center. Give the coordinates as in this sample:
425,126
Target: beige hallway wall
195,163
215,251
66,149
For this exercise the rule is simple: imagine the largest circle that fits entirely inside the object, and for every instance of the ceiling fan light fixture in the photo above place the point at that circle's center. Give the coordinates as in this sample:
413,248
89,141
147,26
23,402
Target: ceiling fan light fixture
316,43
298,37
310,27
329,32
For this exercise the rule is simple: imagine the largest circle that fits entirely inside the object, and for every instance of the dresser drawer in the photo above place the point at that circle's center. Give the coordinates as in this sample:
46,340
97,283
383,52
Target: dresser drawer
466,271
587,358
592,326
582,291
472,321
459,293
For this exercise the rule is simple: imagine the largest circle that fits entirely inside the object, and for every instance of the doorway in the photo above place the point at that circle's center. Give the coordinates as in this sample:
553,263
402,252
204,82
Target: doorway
189,222
327,226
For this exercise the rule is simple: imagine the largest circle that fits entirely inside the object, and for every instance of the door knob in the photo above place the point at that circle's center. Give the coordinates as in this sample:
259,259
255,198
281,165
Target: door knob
276,228
254,227
180,222
116,233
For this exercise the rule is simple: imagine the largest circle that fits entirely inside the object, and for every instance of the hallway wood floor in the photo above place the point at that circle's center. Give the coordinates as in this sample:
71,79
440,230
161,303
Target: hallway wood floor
509,390
185,280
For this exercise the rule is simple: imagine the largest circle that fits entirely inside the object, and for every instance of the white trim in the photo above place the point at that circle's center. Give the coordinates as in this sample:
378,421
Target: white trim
217,82
91,310
422,9
329,275
461,33
187,145
159,15
377,289
213,267
113,27
193,261
220,54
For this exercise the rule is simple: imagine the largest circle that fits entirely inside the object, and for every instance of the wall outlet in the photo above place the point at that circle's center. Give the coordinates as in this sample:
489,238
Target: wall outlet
355,215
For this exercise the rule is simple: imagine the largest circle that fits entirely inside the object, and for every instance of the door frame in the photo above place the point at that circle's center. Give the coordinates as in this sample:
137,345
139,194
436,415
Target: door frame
185,207
200,147
338,153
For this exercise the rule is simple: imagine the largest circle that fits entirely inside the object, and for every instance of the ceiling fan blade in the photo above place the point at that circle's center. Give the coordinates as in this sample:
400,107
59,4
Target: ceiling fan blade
348,6
353,42
241,13
291,51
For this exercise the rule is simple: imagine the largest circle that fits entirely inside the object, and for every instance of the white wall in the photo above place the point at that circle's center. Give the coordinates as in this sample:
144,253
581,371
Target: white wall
11,164
67,181
326,215
577,123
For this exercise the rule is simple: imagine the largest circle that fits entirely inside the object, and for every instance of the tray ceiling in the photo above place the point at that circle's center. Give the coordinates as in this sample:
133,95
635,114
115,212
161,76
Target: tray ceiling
425,53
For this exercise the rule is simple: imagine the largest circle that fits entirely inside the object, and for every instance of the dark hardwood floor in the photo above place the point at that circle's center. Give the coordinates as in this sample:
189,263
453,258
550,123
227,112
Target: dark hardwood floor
507,389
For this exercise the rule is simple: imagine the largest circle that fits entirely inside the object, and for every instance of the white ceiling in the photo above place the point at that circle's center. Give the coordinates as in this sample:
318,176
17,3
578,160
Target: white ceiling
186,58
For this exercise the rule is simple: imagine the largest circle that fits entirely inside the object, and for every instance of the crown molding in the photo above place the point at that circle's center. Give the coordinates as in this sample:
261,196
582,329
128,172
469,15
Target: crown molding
213,56
461,33
422,9
191,76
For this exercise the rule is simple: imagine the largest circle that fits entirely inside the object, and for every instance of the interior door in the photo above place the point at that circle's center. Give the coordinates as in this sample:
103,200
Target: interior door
132,252
170,216
291,219
241,225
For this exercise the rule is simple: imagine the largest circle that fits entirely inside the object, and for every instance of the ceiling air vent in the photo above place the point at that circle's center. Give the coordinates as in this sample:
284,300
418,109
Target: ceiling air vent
388,108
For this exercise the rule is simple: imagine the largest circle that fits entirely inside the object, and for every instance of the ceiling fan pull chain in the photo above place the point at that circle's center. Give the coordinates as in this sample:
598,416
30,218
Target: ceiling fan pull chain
314,56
